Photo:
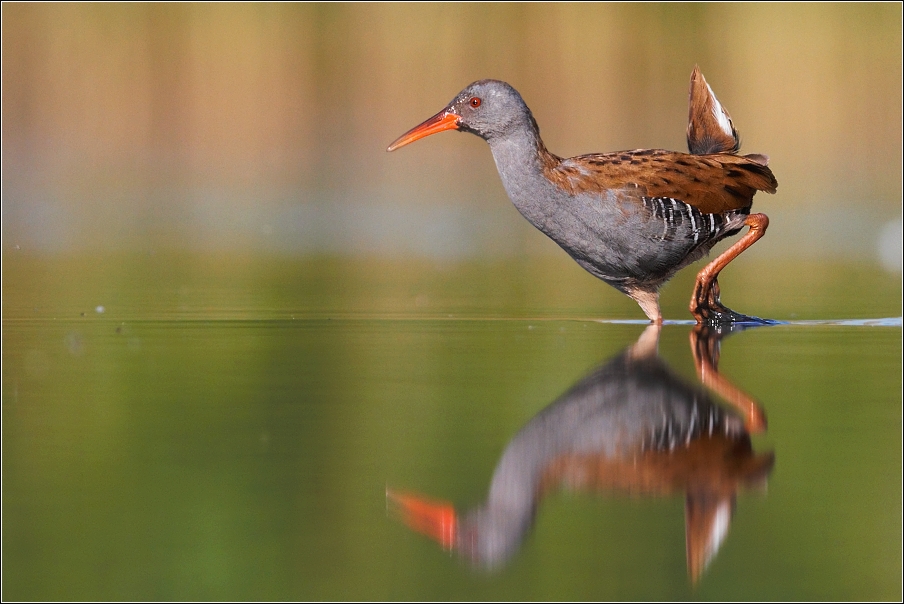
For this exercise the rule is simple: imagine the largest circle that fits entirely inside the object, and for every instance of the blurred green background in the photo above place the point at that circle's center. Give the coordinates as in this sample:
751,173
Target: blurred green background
263,127
231,319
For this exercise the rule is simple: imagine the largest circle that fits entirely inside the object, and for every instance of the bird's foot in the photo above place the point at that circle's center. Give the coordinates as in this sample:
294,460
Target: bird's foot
708,309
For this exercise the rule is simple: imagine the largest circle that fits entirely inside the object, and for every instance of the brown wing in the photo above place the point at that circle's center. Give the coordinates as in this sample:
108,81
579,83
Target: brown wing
712,183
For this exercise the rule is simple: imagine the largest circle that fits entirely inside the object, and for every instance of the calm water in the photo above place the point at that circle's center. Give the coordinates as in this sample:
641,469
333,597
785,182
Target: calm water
214,428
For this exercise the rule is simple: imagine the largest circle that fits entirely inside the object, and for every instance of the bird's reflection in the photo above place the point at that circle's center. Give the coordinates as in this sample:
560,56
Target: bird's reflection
632,426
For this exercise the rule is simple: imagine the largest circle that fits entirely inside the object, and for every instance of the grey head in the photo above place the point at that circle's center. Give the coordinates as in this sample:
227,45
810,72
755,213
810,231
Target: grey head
491,109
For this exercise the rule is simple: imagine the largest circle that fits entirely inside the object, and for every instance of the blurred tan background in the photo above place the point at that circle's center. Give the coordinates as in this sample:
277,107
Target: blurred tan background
263,128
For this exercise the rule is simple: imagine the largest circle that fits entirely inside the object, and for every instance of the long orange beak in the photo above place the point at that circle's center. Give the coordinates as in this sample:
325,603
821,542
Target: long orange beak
444,120
435,519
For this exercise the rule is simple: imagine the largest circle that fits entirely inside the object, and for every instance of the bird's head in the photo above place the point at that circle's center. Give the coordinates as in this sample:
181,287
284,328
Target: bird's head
487,108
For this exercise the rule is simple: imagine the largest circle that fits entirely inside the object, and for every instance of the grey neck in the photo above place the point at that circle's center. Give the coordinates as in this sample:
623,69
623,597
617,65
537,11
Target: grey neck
519,157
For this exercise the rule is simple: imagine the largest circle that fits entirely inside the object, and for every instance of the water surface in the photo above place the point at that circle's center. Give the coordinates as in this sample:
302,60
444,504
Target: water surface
212,428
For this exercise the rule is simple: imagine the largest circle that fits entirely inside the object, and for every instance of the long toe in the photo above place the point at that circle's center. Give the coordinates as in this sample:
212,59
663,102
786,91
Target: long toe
708,309
719,316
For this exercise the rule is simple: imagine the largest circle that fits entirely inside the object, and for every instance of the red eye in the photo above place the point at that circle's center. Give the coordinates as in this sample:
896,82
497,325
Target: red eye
474,102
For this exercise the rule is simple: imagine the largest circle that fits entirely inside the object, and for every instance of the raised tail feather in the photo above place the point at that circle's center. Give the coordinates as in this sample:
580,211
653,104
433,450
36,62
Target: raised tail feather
709,127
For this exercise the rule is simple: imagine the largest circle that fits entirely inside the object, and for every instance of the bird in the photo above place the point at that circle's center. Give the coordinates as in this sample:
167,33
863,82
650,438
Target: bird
632,426
630,218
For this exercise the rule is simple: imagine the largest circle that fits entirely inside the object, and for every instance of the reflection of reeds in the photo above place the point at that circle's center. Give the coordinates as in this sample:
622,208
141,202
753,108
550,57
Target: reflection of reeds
154,108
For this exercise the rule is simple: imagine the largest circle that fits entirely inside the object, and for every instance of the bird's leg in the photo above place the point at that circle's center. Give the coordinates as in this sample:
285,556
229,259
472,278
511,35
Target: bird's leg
705,304
647,344
649,303
705,346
